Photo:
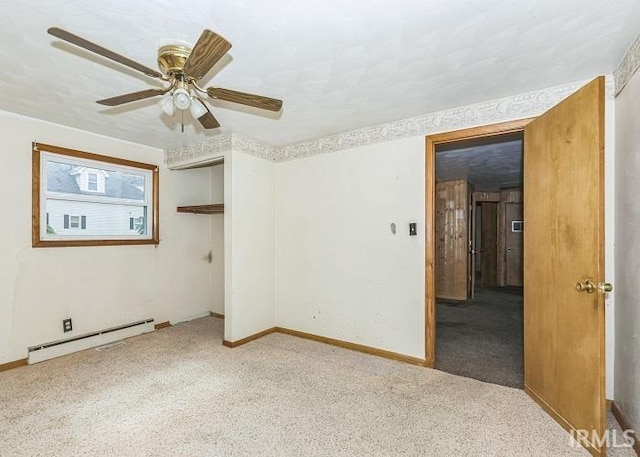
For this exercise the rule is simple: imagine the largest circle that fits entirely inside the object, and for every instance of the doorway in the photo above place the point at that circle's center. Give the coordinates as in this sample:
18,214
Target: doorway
505,128
564,275
479,258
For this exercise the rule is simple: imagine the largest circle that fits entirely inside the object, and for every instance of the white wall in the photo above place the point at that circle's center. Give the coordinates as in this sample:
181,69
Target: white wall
340,272
217,241
249,245
98,287
627,214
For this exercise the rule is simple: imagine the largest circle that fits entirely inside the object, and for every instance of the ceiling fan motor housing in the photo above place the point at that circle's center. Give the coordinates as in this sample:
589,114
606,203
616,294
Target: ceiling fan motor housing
171,58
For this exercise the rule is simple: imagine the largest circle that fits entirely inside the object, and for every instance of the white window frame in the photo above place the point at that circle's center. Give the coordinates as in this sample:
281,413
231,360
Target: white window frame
71,226
89,175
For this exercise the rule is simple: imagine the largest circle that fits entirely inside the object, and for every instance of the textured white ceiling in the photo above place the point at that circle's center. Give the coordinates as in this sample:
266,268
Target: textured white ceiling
488,167
337,65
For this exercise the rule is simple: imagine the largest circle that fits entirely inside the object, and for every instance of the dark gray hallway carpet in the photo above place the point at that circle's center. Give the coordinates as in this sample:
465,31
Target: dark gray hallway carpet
482,338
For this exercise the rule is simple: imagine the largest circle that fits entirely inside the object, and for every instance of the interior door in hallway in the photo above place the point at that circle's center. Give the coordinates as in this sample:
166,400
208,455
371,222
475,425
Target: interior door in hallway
513,243
473,250
564,262
489,235
452,247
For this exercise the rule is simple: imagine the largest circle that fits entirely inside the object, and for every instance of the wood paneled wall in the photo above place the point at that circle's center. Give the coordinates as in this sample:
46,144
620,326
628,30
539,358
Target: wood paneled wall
511,196
486,197
452,237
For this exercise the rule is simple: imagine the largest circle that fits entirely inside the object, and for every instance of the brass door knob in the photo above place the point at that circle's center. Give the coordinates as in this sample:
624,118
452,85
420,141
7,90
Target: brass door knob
604,287
586,286
589,287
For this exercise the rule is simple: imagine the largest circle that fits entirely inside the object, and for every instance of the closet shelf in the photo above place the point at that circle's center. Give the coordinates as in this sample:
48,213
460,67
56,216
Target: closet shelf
217,208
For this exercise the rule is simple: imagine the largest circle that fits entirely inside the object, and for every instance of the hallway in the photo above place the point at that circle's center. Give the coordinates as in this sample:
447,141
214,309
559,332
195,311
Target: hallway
482,338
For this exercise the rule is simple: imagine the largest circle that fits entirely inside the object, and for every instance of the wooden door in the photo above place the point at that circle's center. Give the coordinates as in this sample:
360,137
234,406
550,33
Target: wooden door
489,246
513,244
564,245
471,264
451,250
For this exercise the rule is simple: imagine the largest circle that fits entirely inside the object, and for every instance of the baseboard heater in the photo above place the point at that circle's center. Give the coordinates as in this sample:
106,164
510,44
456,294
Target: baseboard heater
66,346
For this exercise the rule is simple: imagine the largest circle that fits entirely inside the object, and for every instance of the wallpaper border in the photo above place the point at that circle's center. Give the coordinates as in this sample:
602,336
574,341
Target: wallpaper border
513,107
216,147
628,66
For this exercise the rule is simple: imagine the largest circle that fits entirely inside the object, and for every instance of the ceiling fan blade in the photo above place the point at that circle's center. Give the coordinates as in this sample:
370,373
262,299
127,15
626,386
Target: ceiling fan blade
104,52
132,97
208,121
208,50
245,98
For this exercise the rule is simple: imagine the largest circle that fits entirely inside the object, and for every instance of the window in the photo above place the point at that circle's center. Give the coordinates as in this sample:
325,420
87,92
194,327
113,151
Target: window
74,222
92,181
84,199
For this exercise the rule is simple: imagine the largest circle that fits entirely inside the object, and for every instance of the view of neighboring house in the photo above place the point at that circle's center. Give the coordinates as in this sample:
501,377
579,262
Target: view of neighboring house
90,201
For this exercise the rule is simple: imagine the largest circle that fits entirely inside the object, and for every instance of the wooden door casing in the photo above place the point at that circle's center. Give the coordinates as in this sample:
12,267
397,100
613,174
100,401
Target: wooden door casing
431,141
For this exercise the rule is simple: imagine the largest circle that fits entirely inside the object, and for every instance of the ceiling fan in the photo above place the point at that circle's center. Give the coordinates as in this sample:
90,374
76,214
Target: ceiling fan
181,66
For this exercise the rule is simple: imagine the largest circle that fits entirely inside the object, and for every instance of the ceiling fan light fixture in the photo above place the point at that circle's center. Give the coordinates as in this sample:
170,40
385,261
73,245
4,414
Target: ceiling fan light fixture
167,105
197,108
181,99
181,66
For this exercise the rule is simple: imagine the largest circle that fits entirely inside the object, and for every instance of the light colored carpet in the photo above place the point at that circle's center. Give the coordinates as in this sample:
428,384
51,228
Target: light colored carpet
179,392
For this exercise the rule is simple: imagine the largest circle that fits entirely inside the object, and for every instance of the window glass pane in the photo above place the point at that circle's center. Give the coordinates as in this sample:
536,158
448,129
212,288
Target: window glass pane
99,218
73,180
93,199
92,181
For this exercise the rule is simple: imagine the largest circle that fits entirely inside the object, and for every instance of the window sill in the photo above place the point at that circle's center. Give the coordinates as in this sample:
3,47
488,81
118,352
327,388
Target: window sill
74,243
